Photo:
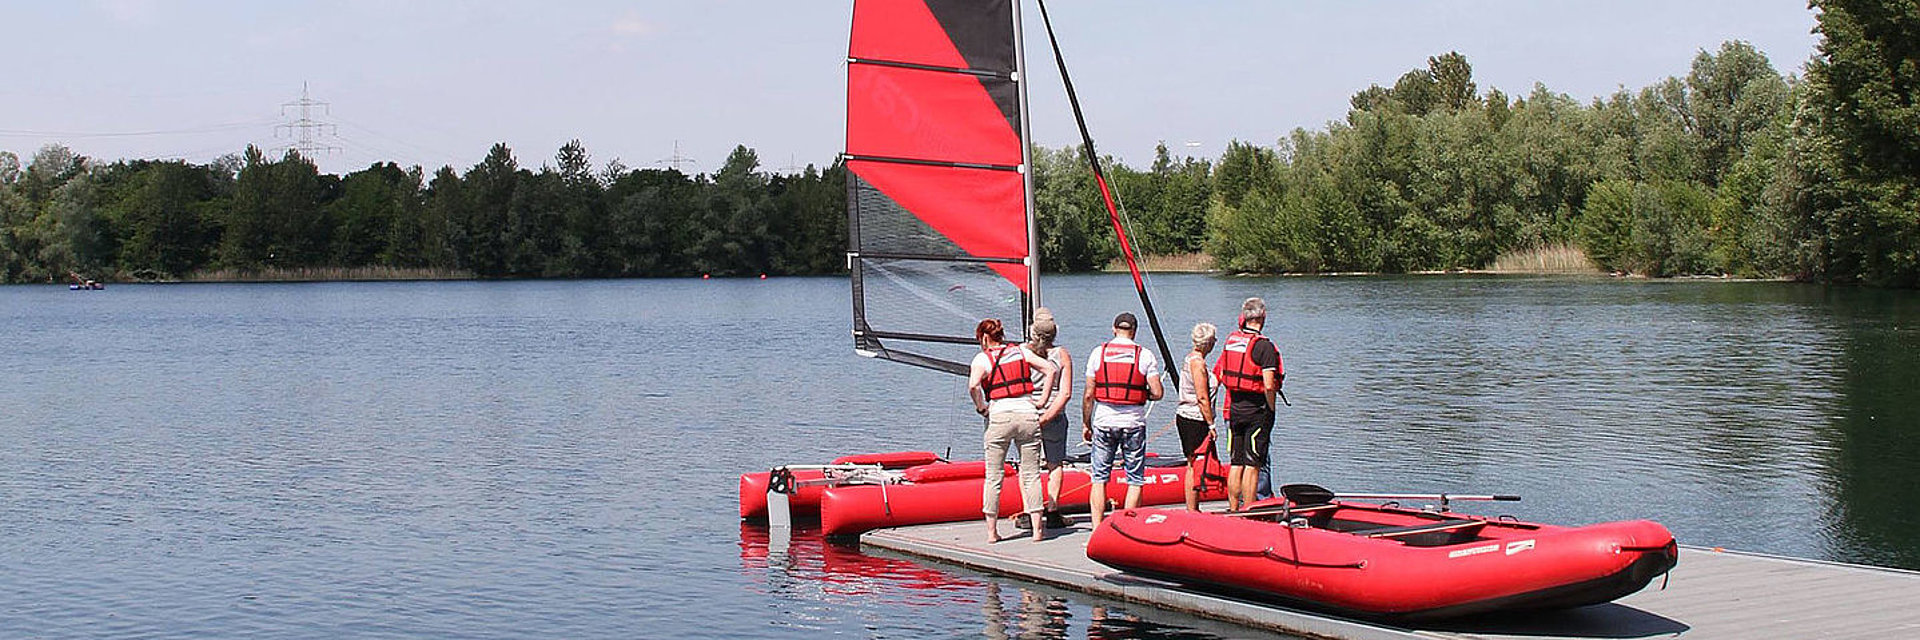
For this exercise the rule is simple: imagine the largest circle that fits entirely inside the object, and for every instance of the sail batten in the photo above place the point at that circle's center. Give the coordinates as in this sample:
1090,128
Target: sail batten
939,214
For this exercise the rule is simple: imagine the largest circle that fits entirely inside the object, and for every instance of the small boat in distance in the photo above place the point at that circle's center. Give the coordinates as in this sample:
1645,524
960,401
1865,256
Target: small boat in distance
83,284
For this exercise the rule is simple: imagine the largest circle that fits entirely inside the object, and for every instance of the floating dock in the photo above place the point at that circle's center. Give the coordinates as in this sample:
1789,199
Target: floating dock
1710,595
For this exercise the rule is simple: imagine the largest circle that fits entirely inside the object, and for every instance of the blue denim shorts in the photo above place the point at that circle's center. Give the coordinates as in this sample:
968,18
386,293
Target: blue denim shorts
1132,445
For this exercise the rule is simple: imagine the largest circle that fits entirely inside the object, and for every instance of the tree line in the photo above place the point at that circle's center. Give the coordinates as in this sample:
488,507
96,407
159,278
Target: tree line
148,219
1734,168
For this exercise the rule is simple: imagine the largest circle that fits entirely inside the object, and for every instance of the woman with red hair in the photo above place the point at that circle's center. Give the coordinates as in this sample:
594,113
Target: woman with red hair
1001,384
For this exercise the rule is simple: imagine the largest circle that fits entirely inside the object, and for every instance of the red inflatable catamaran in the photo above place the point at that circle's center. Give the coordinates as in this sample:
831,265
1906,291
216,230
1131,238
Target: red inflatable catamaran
1385,561
856,494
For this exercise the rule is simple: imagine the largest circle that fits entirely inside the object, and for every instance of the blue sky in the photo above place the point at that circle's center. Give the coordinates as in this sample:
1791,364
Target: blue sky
437,82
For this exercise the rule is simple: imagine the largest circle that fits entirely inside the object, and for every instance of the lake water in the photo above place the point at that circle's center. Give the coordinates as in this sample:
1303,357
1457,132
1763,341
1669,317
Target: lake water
559,458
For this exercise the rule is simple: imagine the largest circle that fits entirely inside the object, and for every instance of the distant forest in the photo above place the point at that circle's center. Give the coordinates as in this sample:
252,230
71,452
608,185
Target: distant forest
1733,169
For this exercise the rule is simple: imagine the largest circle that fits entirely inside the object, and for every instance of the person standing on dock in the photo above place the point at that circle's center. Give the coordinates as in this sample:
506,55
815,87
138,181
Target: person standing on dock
1194,417
1121,377
1053,416
1249,367
1001,384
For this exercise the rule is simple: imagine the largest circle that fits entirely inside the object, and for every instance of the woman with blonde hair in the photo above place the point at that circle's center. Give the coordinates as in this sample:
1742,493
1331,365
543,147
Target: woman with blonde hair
1053,416
1194,417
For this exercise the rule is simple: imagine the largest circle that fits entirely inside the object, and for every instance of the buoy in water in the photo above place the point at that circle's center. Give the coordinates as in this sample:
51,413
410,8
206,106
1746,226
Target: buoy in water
706,276
763,276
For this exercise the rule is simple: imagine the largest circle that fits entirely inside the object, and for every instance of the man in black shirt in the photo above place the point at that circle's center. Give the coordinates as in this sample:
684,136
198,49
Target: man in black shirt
1249,367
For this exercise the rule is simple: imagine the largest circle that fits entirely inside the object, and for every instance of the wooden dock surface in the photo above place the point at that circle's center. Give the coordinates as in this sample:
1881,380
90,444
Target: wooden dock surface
1710,596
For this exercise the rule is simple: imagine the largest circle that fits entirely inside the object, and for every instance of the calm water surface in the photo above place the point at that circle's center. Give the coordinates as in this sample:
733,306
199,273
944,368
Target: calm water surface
559,458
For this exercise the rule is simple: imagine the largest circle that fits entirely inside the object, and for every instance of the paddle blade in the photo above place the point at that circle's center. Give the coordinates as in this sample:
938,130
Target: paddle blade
1306,494
779,512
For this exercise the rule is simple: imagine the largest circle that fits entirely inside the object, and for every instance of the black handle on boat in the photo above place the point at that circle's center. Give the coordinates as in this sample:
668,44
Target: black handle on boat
780,480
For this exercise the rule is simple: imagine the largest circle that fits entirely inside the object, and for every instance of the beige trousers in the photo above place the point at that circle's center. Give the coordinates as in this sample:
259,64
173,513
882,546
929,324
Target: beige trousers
1020,429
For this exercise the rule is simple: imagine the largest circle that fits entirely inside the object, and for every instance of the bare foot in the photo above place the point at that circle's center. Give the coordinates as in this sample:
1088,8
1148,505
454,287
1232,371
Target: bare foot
993,531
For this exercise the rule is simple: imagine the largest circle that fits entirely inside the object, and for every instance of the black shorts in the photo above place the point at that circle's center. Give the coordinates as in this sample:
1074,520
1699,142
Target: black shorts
1251,431
1192,433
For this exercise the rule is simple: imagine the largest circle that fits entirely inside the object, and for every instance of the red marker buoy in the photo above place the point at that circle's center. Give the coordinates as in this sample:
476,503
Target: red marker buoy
706,276
763,276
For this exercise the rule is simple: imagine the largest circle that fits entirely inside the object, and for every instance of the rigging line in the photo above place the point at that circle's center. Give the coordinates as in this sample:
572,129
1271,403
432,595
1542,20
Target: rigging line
377,153
1106,193
222,150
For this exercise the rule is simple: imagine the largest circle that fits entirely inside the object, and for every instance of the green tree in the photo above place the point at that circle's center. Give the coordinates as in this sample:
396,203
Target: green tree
1452,81
1734,95
486,238
443,231
372,202
650,222
278,217
736,238
165,218
1074,229
1861,156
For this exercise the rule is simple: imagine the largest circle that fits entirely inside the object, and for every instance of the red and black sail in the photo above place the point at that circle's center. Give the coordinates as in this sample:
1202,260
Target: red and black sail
938,199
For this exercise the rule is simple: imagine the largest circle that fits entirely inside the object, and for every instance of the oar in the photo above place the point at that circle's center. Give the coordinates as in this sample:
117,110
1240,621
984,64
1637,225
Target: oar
1308,494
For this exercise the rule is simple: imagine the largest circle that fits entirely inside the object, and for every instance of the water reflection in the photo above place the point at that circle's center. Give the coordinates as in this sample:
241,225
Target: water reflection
816,581
1031,616
1876,432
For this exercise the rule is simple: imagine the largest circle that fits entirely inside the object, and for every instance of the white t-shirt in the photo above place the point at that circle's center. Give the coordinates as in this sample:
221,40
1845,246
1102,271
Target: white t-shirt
1121,416
1021,403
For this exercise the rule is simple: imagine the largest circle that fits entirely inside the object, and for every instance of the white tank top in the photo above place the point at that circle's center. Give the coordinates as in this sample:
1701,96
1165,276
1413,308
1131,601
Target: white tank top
1189,399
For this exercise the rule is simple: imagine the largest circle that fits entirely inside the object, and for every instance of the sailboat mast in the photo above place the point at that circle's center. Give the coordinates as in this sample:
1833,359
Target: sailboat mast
1026,169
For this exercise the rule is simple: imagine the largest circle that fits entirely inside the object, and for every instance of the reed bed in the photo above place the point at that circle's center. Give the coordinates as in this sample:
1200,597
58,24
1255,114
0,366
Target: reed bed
327,274
1558,258
1176,263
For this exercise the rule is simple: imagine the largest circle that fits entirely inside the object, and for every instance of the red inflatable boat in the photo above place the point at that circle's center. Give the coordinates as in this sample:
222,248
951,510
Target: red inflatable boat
1385,561
873,491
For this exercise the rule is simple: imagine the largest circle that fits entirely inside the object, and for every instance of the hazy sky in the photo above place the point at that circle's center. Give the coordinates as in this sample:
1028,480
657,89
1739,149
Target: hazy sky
436,82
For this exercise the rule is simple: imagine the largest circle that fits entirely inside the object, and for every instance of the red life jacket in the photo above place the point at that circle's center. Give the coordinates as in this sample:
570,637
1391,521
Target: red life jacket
1009,376
1236,367
1118,380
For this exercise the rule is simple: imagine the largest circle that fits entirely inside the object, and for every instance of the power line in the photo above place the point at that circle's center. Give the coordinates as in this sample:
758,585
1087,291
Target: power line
212,128
301,129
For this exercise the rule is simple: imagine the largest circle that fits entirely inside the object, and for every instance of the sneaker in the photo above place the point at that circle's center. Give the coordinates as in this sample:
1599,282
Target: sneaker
1056,521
